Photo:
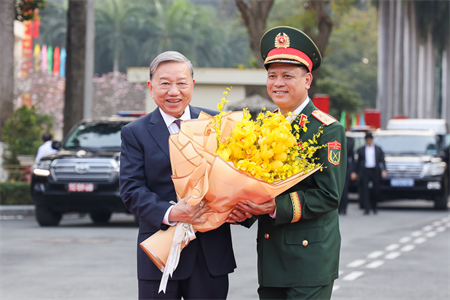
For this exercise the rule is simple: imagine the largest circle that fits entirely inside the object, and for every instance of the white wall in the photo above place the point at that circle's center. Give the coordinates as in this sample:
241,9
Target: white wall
209,84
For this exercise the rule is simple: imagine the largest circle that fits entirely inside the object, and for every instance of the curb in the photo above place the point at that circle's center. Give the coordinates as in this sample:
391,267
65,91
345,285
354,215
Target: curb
16,210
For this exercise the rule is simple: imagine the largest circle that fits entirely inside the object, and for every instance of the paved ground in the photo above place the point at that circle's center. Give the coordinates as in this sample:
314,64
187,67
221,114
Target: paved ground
401,253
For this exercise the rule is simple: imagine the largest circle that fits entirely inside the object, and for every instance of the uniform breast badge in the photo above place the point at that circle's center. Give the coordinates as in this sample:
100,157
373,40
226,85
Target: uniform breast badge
334,153
303,119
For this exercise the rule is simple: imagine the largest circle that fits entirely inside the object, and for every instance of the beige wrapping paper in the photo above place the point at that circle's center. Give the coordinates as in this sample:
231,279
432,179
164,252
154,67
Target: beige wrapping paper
199,174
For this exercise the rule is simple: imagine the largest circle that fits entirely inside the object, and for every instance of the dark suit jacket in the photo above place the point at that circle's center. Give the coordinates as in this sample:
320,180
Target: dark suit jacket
380,164
146,189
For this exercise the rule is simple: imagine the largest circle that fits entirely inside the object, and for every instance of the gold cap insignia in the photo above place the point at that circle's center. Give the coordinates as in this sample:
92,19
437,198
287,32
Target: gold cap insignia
282,41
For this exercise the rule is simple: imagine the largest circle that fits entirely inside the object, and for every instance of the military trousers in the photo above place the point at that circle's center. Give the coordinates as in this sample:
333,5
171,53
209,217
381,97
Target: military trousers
296,293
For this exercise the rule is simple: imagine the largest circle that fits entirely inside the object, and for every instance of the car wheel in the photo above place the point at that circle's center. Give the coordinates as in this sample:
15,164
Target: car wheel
100,217
441,201
47,217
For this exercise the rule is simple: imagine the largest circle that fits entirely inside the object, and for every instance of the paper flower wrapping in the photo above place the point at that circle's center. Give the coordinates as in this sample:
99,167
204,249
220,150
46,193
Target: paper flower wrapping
228,159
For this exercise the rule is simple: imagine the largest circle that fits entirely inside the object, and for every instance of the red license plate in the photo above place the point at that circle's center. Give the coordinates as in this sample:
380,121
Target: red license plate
81,187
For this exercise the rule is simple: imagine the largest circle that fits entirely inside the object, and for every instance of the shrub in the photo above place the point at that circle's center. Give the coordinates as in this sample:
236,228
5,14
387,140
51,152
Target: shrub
15,193
22,133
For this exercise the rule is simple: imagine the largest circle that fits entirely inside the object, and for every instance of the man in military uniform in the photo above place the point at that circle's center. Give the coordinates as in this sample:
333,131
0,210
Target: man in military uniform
298,232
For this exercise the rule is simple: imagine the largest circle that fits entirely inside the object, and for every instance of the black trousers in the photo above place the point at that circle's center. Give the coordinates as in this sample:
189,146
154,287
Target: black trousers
296,293
369,196
200,285
344,198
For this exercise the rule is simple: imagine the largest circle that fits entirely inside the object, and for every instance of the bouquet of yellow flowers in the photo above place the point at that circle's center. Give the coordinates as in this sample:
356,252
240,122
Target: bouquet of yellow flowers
227,159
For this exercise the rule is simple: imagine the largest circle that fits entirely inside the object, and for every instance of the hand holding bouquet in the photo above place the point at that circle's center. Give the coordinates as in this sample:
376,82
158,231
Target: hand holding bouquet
224,160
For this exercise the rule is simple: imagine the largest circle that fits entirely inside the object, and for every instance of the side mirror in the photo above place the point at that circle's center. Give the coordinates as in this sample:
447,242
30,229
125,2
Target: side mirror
56,145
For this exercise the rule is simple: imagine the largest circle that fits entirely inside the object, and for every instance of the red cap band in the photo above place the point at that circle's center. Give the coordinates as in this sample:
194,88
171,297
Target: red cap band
291,54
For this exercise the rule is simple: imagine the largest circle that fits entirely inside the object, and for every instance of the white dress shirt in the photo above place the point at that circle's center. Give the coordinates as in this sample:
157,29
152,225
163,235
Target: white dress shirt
370,156
296,112
44,150
173,128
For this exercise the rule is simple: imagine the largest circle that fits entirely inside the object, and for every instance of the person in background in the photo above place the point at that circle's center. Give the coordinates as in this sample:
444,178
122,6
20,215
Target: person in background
369,169
46,148
350,158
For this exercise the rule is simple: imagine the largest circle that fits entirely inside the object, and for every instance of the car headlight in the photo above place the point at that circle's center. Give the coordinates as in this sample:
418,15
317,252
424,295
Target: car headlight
42,168
434,169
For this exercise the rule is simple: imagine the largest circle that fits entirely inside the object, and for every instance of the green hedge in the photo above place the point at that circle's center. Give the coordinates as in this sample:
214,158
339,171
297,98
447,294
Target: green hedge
15,193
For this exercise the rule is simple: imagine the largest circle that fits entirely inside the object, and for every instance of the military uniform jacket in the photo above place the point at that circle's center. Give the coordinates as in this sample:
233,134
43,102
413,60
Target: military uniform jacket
300,247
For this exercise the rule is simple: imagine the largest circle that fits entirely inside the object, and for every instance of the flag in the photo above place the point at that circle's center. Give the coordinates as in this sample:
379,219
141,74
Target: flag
56,61
37,51
49,60
62,63
44,59
362,121
343,119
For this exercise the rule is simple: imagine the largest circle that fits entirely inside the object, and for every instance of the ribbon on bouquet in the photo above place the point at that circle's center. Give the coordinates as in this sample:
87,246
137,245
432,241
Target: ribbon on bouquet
184,233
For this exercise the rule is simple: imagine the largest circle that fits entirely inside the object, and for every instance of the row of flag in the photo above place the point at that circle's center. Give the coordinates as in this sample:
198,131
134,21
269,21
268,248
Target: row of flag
351,120
49,61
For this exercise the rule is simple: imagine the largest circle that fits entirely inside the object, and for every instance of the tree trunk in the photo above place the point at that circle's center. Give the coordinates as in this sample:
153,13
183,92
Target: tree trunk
255,18
325,26
7,13
76,44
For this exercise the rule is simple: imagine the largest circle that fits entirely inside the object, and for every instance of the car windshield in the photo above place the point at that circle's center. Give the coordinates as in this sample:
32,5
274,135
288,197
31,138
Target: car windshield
96,136
407,144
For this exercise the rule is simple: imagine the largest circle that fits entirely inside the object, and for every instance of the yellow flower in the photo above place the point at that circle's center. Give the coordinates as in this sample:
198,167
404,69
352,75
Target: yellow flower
268,148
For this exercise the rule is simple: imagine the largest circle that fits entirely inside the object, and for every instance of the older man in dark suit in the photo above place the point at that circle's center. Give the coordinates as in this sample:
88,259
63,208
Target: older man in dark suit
147,190
369,169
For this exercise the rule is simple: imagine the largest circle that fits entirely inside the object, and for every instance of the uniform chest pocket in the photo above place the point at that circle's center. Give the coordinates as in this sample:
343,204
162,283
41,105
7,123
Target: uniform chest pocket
302,236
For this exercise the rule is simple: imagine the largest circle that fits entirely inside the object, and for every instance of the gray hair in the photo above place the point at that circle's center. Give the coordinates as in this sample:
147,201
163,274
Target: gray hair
169,56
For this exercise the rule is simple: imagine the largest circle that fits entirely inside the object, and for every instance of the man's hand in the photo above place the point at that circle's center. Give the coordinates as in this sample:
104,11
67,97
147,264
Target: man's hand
383,173
238,216
250,207
353,176
183,212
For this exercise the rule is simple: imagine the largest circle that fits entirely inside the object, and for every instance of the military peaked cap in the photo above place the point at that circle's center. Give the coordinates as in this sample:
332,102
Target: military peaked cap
289,45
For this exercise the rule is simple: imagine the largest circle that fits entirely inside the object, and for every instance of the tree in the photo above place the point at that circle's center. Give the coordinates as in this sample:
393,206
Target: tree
9,10
76,44
53,28
6,60
22,133
116,26
255,15
351,57
46,92
113,93
190,29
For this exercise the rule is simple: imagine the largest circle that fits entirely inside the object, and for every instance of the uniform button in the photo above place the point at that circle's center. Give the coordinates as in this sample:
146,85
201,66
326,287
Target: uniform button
266,235
305,243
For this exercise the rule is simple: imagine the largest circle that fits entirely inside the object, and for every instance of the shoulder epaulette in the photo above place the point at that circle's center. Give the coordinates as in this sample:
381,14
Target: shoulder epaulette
323,117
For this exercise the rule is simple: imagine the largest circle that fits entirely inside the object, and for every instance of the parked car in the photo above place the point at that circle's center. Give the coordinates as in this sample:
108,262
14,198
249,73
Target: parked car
83,176
416,167
439,126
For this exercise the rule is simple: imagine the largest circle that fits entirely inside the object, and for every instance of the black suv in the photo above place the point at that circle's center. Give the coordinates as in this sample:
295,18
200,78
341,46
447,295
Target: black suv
83,176
417,165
